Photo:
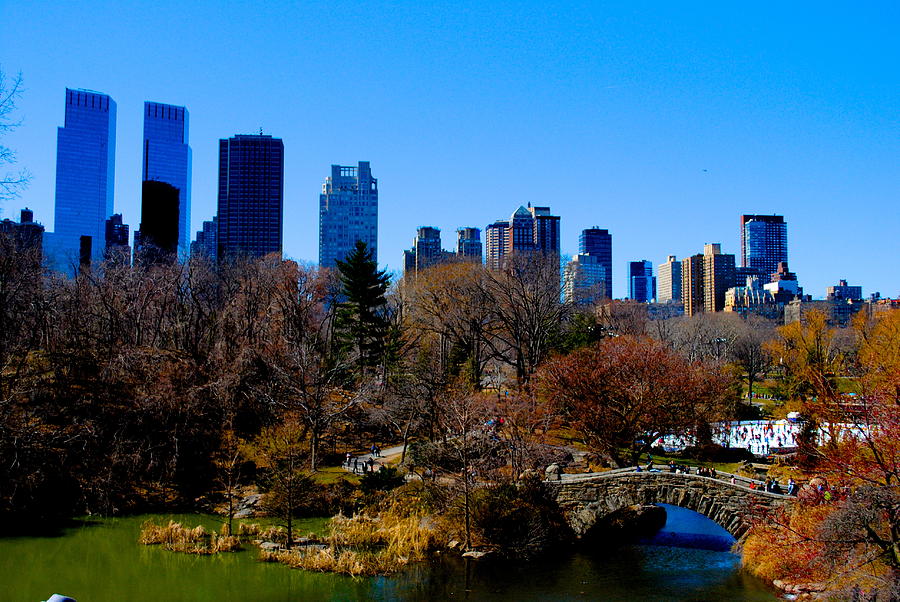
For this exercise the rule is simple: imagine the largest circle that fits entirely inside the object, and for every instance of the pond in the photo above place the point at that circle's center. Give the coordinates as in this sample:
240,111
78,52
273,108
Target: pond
100,560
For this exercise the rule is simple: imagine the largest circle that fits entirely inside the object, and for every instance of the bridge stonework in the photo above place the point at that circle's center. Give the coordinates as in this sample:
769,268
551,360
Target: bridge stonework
586,500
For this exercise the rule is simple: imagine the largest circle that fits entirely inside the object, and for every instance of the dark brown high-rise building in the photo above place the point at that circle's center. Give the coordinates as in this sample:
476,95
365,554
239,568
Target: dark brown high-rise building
718,276
692,284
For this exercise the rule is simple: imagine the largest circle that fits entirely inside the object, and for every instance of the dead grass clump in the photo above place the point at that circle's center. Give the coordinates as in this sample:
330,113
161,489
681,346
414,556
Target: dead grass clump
251,530
364,545
177,538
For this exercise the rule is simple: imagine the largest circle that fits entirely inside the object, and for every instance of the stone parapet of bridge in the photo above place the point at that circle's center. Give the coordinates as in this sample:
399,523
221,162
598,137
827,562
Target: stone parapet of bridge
586,499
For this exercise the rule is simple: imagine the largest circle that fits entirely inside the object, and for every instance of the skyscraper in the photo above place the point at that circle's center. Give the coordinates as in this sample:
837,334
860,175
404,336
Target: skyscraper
598,243
495,240
251,196
669,280
26,235
692,284
85,175
641,282
718,276
763,242
528,230
428,246
468,243
117,247
348,212
205,243
167,158
157,239
584,279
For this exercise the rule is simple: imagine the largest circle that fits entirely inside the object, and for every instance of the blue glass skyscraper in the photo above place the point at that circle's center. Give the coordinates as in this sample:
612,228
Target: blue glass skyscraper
85,175
641,282
167,158
763,243
598,243
348,212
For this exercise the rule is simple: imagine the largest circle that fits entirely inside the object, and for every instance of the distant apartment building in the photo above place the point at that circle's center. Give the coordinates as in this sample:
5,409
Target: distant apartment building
251,196
426,251
692,284
597,242
763,242
641,282
348,212
205,242
117,234
167,158
26,234
838,312
584,279
528,230
668,281
843,292
495,240
85,179
783,284
468,243
705,279
718,276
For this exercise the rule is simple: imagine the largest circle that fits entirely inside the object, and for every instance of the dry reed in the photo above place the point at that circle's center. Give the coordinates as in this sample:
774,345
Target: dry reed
177,538
364,545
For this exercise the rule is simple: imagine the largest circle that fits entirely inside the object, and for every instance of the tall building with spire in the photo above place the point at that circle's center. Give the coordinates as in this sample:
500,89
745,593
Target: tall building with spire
167,158
529,229
251,196
348,212
85,177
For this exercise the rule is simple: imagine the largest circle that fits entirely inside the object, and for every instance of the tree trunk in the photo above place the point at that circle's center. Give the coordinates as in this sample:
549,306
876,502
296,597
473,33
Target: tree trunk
313,449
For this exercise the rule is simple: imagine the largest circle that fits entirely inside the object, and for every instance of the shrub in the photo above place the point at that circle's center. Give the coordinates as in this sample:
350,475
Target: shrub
518,519
384,479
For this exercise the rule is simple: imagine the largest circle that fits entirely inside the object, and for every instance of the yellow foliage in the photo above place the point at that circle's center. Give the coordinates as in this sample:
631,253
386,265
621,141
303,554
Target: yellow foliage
364,545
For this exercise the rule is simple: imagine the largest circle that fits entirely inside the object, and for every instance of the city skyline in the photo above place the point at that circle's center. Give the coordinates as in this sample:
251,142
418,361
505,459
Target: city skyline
605,132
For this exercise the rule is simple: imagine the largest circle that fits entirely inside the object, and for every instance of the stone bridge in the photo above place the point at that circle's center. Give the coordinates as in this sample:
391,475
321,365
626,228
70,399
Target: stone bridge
586,498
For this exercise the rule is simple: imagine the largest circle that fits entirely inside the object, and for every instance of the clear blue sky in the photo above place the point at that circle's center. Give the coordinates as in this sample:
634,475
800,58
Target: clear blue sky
660,121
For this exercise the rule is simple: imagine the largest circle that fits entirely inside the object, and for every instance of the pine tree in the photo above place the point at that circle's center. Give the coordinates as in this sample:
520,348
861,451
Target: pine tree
361,325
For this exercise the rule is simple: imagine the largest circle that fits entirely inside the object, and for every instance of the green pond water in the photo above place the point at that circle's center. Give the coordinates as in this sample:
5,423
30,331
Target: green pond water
100,560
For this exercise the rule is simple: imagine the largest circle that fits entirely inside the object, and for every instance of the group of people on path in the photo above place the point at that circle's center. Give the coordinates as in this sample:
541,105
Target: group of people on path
361,464
770,485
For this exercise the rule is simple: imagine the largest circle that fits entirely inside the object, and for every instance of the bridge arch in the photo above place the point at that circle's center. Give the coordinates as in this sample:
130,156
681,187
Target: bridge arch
586,499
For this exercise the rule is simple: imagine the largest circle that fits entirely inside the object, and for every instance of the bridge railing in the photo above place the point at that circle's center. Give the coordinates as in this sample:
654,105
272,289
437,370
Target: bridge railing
721,477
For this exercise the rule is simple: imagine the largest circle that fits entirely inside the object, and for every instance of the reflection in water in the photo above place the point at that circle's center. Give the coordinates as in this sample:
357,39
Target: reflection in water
688,529
102,562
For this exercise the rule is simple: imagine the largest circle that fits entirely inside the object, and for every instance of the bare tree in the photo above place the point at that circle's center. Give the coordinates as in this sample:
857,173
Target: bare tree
11,182
747,351
526,310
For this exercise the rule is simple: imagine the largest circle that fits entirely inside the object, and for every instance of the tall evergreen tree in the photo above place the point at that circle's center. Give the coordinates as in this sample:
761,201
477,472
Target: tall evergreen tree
362,327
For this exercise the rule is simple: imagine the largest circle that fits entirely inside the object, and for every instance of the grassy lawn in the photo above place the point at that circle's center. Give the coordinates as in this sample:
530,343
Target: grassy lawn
332,474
